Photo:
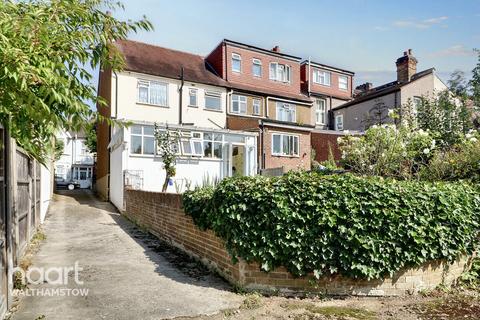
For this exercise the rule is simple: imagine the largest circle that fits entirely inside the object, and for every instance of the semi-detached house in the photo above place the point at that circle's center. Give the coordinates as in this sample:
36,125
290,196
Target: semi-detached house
265,96
174,89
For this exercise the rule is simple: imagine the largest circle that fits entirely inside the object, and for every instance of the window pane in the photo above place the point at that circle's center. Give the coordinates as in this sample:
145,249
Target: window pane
236,63
148,130
143,94
217,150
276,144
257,70
207,136
136,129
193,97
148,145
212,102
158,93
217,137
197,148
136,144
285,145
186,147
234,138
295,146
273,71
207,148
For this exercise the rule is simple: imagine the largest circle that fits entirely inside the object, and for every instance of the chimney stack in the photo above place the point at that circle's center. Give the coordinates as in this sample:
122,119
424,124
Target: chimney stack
406,66
276,49
363,88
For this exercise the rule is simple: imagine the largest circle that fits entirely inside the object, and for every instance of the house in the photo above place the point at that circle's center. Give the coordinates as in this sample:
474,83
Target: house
264,96
172,89
76,161
373,103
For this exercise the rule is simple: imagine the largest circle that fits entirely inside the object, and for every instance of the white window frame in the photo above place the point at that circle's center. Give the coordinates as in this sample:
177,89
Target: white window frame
192,92
340,83
339,127
257,63
214,94
191,142
242,101
321,77
142,135
293,152
147,84
320,115
257,103
287,106
236,57
276,73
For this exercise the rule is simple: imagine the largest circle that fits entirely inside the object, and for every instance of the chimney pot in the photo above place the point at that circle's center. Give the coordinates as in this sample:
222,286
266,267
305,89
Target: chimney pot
276,49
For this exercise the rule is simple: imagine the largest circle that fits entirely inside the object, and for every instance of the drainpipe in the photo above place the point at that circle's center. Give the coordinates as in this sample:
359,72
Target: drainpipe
181,98
309,75
262,153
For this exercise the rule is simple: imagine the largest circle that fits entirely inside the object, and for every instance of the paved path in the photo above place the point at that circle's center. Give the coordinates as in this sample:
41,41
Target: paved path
129,275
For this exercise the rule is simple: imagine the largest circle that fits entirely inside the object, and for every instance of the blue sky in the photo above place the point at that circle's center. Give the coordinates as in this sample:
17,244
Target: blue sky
365,36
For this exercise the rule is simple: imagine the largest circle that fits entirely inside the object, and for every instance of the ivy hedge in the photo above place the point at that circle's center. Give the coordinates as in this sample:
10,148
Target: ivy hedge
366,227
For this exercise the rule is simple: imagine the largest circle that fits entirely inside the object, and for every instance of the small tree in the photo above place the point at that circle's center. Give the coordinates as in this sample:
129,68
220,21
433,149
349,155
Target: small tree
59,146
167,144
91,137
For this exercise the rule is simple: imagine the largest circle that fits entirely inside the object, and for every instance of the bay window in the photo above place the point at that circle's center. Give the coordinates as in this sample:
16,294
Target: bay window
284,145
152,92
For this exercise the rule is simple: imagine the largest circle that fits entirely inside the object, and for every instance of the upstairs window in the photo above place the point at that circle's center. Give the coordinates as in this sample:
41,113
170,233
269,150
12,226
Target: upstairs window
257,105
320,111
339,122
321,77
142,140
257,68
152,92
280,72
343,82
286,112
213,100
193,102
239,104
284,145
236,62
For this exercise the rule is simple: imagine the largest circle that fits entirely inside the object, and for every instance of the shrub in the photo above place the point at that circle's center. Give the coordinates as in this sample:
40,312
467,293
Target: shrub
354,226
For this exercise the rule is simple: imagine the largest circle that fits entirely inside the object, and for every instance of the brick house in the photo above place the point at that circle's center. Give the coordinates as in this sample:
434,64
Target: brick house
265,96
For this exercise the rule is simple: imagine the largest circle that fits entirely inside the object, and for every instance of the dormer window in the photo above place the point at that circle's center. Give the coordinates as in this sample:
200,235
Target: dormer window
280,72
343,82
257,67
236,62
321,77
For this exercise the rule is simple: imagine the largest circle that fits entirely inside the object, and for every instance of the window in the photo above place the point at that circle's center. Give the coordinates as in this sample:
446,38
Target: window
320,111
213,100
212,145
257,105
286,112
339,122
321,77
279,72
257,68
239,104
152,92
142,140
236,62
417,105
192,146
284,145
193,98
343,82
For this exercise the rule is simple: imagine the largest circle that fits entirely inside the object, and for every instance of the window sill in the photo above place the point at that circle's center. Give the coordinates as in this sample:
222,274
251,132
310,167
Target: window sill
213,110
323,85
152,105
192,106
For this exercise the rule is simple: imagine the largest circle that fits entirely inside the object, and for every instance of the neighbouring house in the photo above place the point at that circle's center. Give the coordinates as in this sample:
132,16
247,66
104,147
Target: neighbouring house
264,96
76,162
329,87
373,103
172,89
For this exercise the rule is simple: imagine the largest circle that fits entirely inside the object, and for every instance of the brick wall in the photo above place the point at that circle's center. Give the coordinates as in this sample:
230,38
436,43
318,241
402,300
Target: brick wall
332,89
162,215
321,142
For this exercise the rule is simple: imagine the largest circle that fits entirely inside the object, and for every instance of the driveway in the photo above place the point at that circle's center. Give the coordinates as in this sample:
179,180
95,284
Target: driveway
128,273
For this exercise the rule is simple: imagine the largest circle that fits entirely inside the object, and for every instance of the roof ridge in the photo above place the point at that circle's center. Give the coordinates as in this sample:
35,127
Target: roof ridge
161,47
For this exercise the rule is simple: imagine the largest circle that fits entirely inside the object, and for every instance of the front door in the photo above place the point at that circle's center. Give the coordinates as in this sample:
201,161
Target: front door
84,176
238,160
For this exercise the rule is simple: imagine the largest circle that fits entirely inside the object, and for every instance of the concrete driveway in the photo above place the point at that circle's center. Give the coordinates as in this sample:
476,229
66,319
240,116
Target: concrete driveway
128,274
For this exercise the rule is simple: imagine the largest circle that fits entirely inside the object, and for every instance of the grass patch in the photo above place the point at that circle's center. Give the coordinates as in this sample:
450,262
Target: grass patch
252,301
330,311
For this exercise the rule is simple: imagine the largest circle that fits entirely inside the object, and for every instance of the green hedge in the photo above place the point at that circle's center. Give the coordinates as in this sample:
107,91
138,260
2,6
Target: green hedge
355,226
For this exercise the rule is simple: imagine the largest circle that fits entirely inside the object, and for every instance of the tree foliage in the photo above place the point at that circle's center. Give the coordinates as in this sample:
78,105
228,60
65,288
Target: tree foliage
91,137
167,145
366,227
46,50
59,146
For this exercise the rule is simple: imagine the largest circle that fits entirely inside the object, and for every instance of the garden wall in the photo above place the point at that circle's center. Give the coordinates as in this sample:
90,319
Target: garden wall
162,215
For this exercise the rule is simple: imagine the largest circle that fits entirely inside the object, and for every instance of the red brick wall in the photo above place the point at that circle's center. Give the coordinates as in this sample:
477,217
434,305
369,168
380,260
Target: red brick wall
162,215
331,90
321,142
216,59
103,129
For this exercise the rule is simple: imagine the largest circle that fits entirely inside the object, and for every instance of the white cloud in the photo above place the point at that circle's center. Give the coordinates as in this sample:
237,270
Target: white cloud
454,51
419,24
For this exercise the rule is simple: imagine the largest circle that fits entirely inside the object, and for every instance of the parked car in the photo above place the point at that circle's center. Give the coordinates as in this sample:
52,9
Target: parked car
61,183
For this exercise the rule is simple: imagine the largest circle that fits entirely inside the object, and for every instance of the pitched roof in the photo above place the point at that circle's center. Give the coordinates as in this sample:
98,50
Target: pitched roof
384,89
159,61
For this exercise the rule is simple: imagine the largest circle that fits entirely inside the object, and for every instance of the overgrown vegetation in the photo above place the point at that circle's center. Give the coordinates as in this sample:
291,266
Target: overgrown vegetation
367,227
